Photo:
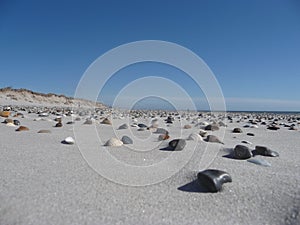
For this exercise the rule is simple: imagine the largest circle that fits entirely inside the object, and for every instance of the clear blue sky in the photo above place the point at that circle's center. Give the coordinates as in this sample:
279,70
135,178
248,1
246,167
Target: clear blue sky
253,47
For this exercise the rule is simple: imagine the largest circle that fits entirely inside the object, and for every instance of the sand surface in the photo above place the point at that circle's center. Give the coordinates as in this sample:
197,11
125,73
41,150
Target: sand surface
46,182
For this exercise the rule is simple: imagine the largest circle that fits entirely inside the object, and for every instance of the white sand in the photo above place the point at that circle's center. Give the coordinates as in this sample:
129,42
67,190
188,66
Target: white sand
46,182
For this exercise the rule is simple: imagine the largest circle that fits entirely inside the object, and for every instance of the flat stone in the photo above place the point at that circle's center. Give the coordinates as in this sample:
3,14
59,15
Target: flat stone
126,140
265,151
123,126
22,128
177,144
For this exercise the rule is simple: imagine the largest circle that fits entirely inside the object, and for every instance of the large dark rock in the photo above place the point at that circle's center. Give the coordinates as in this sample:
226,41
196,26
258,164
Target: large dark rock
213,179
242,152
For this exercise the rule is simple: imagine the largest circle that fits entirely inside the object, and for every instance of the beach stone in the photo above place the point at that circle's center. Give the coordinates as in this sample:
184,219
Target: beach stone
113,142
22,128
194,137
273,127
126,140
44,131
265,151
213,179
59,124
202,133
8,121
5,113
169,120
141,125
177,144
77,119
250,134
203,123
163,137
16,122
212,127
70,122
43,114
242,152
246,142
293,128
58,119
106,121
123,126
213,139
237,130
187,126
69,140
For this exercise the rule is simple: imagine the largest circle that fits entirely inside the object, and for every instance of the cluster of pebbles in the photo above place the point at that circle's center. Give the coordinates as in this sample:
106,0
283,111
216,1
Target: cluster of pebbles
205,123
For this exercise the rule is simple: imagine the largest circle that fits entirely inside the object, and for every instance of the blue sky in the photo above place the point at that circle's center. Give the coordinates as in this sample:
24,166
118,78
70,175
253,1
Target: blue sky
252,47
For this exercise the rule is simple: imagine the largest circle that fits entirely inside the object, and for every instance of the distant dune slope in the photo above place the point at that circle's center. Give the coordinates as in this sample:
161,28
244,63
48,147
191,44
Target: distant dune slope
10,96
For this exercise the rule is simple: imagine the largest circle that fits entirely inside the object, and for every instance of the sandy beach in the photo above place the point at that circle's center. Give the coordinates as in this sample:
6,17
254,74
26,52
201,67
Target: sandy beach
45,181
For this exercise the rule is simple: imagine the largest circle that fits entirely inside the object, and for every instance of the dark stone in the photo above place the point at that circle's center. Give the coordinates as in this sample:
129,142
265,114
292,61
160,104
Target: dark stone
141,125
265,151
212,127
237,130
126,140
213,179
70,122
17,122
169,119
250,134
292,128
242,152
273,127
123,126
59,124
177,144
213,138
